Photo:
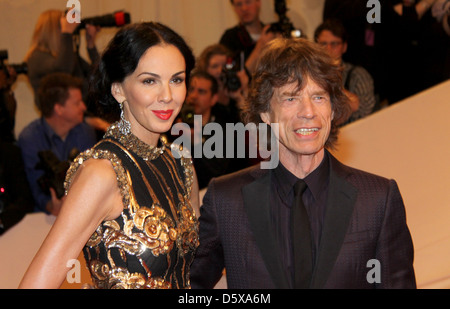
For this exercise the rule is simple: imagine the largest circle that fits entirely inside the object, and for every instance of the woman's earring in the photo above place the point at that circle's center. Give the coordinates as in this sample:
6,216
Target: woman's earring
124,125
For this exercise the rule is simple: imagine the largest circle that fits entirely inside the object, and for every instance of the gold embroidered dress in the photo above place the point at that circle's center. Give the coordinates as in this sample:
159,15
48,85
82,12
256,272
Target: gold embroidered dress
152,243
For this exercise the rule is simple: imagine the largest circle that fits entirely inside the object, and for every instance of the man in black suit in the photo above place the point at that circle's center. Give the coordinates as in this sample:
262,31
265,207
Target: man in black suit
356,231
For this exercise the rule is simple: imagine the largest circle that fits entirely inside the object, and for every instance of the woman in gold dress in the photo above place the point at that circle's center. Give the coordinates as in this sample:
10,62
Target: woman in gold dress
132,200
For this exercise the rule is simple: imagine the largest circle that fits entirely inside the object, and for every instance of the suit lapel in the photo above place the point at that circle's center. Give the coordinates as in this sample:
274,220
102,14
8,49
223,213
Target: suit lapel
340,204
256,200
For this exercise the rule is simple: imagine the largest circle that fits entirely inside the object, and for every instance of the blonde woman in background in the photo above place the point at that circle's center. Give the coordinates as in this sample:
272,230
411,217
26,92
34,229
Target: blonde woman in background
52,50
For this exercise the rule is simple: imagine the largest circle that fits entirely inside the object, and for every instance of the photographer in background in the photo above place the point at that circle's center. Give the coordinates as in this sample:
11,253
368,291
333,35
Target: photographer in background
213,60
357,81
52,50
201,99
60,129
15,195
250,35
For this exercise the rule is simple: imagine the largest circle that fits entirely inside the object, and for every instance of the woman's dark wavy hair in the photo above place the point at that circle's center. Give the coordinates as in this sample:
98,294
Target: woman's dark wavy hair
121,57
285,61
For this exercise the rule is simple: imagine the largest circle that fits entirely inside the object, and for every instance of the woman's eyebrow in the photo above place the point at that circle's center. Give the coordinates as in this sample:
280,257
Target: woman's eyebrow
157,76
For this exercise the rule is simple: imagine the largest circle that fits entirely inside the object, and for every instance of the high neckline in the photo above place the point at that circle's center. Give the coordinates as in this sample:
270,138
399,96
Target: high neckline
134,144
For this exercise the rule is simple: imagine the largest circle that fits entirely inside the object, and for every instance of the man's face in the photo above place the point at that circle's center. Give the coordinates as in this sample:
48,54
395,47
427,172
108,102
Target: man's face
200,96
247,10
334,45
304,119
72,111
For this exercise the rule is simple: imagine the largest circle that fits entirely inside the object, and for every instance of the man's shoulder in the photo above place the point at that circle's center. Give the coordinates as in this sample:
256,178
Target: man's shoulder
228,188
232,30
358,177
230,34
239,178
33,129
357,71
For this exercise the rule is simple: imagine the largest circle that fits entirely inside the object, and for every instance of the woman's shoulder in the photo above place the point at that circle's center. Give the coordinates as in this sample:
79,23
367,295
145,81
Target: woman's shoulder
102,166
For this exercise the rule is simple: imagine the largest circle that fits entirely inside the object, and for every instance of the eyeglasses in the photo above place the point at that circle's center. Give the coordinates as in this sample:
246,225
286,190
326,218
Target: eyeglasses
333,44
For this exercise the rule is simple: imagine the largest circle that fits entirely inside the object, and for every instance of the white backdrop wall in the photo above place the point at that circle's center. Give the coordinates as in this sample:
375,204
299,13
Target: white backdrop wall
200,22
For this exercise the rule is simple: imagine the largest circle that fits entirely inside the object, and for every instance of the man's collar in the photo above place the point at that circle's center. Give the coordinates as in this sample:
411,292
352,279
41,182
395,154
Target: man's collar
48,129
316,180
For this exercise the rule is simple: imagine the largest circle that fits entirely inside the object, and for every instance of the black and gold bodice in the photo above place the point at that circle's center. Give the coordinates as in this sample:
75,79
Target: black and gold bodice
152,243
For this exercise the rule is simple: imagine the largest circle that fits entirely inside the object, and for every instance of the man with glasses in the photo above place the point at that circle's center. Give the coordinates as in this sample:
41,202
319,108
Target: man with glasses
358,83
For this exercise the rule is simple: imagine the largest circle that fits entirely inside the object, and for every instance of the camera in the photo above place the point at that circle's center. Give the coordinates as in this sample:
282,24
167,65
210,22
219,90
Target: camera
116,19
21,68
284,25
54,171
229,75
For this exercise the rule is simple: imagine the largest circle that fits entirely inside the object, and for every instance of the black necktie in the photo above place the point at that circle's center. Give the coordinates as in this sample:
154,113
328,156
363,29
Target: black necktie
301,239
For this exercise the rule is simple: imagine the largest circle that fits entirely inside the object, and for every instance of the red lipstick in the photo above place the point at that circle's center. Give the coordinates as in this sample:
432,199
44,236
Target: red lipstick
163,114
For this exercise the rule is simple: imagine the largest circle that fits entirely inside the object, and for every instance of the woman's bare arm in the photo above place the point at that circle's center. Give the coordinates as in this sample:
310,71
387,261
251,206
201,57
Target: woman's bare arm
93,197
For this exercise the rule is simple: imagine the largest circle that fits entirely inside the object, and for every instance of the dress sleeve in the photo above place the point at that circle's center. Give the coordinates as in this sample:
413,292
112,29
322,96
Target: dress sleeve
116,163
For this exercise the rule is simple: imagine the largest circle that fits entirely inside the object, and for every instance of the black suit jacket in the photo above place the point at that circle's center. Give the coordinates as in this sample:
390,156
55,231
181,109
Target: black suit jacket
365,220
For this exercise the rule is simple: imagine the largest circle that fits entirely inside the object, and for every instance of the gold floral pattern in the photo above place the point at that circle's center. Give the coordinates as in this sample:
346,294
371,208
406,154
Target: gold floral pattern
159,230
166,228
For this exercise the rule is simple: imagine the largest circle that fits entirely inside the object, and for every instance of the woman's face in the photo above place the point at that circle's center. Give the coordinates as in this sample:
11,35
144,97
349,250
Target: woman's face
215,65
154,93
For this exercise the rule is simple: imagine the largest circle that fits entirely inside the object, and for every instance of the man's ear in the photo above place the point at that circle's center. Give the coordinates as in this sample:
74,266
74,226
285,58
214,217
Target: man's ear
57,109
265,117
117,92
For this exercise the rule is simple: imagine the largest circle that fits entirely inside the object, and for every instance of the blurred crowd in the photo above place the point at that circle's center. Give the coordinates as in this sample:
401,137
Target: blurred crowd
382,64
